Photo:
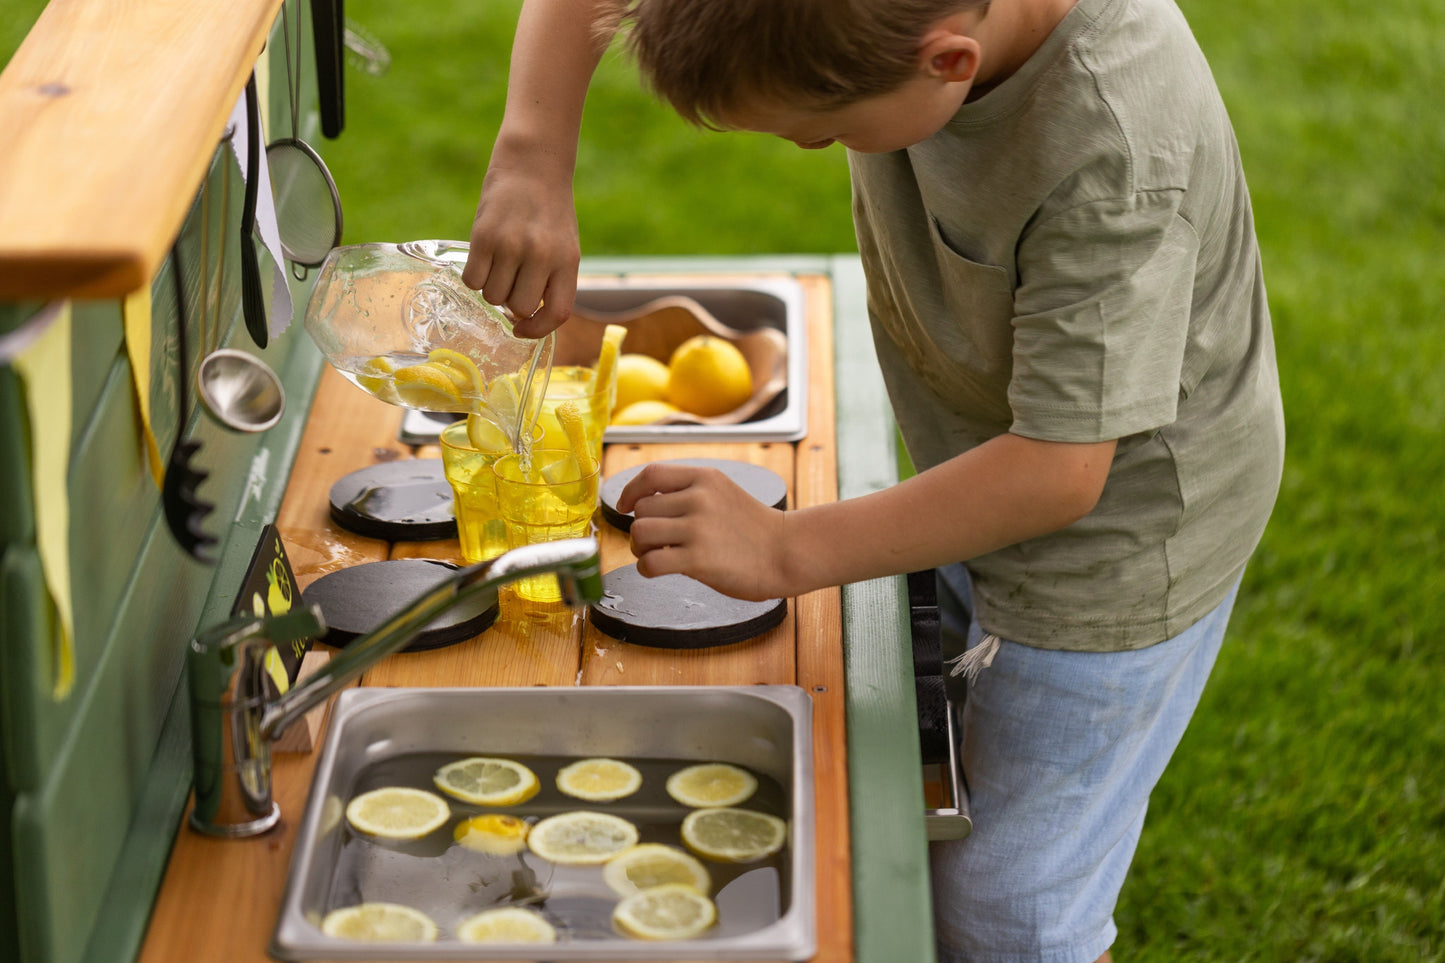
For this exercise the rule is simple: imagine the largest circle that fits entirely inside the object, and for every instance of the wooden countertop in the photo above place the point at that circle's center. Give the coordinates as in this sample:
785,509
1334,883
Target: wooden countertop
111,112
223,895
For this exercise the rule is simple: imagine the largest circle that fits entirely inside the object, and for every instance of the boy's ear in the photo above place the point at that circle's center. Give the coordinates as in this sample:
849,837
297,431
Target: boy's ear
950,56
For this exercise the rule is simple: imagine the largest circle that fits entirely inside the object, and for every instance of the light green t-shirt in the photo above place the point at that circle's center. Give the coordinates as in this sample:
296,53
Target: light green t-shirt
1072,258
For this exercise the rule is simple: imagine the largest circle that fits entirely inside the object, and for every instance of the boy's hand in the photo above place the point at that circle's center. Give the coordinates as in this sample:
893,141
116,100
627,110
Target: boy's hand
698,522
524,247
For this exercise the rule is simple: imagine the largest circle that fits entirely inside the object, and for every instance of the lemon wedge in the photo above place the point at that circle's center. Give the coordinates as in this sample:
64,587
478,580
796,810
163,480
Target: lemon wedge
652,864
487,782
670,912
397,812
711,784
581,838
495,834
506,924
380,923
428,387
733,835
599,780
461,369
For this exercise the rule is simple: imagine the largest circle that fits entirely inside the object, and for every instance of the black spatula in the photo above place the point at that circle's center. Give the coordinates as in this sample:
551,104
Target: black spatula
253,299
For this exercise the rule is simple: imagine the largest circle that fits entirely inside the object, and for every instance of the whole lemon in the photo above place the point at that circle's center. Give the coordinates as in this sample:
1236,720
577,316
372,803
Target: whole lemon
640,377
708,376
643,413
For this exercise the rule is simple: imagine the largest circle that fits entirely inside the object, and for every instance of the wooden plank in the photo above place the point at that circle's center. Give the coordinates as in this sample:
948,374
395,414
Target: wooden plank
820,644
766,659
112,110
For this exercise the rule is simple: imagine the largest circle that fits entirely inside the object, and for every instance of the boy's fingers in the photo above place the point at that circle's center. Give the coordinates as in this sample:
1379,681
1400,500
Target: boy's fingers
667,560
500,280
653,480
557,298
478,266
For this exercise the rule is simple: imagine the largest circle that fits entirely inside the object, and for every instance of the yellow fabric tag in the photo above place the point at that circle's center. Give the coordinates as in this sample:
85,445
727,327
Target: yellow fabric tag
44,367
136,313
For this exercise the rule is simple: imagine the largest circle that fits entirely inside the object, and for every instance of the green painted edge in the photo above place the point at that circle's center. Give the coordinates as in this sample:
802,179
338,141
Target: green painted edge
120,927
892,899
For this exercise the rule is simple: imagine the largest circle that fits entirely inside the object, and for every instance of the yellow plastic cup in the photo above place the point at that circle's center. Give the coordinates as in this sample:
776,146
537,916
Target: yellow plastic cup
546,501
468,469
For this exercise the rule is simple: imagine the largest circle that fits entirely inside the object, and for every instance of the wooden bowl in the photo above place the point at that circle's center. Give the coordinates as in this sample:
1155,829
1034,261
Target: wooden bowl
659,326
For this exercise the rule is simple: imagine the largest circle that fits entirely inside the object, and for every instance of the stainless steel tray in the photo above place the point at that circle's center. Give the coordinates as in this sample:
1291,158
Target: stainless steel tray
767,729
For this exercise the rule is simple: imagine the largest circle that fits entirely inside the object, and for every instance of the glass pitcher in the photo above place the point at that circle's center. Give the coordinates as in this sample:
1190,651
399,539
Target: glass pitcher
399,323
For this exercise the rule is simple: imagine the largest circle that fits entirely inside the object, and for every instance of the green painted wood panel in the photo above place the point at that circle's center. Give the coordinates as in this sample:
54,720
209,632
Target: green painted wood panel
892,905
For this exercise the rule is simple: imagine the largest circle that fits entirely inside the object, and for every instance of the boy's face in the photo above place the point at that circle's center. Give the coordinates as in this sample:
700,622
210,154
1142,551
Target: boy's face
876,125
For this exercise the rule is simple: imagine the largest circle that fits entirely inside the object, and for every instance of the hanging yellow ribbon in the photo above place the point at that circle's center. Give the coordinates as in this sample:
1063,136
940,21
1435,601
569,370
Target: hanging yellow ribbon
136,313
44,368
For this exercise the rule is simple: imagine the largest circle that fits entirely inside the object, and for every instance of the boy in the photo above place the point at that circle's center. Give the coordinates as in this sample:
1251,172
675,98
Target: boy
1067,304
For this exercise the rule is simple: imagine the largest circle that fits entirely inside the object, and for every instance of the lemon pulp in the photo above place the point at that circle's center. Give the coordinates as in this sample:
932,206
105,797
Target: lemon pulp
397,812
599,780
487,781
647,865
380,923
711,784
733,835
581,838
669,912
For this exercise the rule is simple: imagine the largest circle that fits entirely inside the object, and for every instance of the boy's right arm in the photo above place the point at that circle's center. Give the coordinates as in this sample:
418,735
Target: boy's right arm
524,245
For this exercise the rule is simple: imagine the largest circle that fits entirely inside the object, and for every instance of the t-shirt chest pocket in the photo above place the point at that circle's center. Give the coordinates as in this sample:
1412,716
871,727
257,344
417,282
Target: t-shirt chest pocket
962,335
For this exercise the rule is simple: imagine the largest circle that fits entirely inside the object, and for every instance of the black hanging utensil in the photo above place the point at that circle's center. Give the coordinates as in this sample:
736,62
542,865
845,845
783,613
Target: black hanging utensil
184,510
328,28
253,298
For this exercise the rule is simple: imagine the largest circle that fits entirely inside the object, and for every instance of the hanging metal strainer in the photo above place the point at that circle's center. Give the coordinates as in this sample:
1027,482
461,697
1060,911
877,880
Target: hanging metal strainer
308,208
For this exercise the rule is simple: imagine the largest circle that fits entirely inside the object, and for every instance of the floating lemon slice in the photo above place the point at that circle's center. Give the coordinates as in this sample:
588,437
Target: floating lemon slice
397,812
493,833
733,835
463,370
669,912
599,780
487,782
711,784
506,924
380,923
652,864
581,838
427,386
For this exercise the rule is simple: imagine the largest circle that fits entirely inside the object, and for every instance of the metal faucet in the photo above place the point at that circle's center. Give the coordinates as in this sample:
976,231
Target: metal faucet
236,711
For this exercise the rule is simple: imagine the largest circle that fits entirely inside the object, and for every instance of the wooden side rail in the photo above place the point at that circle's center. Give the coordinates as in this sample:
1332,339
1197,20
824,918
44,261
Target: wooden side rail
111,111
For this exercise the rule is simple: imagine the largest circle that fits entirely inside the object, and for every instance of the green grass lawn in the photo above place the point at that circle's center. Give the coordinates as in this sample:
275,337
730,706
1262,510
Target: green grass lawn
1303,817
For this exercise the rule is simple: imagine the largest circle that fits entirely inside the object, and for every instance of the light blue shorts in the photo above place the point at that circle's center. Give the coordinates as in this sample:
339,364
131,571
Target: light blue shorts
1060,753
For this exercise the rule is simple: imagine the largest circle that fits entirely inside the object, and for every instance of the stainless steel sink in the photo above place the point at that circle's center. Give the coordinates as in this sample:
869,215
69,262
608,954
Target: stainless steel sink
384,736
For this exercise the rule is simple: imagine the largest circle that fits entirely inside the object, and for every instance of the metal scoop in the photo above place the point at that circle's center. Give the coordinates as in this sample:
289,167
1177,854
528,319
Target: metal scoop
240,391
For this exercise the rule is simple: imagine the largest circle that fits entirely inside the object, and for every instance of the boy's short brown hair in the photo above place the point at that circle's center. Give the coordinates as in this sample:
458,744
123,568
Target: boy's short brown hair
705,57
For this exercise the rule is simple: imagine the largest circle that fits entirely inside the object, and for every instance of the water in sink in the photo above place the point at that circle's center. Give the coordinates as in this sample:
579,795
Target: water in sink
450,882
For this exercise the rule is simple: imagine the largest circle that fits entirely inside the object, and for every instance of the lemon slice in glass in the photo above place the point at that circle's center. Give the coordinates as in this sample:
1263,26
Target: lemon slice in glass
599,780
493,833
652,864
397,812
711,784
733,835
581,838
375,377
669,912
506,924
380,923
427,387
487,782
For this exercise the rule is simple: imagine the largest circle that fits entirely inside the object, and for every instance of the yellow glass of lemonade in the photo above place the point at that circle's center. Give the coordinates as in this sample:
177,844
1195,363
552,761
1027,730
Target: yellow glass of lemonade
467,458
545,501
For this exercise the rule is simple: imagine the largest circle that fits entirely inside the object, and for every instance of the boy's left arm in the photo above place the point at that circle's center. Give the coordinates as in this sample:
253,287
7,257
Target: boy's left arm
697,522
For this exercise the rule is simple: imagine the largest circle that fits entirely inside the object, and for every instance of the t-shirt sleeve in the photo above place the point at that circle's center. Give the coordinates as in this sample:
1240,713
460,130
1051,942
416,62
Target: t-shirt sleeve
1101,319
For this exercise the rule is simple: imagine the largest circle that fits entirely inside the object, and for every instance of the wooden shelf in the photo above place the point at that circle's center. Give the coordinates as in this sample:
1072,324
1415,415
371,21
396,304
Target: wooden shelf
112,110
